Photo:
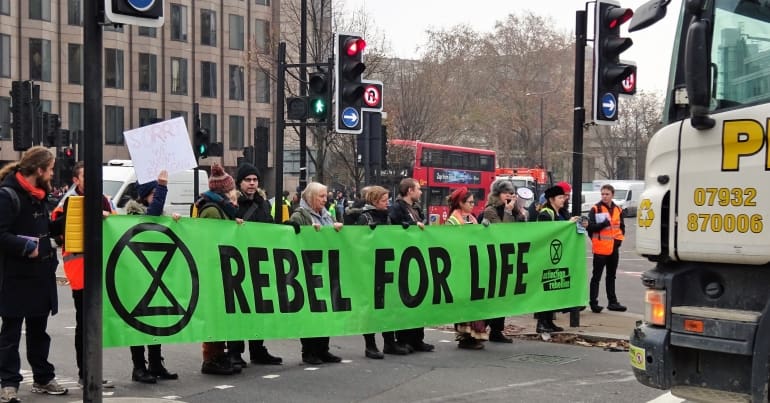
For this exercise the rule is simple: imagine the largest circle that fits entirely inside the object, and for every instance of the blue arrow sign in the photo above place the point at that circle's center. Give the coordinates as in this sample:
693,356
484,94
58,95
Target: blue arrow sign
609,105
141,5
350,117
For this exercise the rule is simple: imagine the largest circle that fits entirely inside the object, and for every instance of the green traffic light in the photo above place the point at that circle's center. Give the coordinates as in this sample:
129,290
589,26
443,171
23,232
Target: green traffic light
318,107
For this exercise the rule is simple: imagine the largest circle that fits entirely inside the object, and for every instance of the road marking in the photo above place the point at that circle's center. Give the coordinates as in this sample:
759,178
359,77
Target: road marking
172,397
222,387
476,393
271,376
445,341
346,361
632,273
311,369
666,398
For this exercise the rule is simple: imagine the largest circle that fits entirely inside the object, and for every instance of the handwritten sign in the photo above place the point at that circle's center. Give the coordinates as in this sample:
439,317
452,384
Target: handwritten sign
163,145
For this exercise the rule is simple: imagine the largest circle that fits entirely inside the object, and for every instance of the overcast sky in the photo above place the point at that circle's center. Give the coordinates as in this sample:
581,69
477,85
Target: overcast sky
404,20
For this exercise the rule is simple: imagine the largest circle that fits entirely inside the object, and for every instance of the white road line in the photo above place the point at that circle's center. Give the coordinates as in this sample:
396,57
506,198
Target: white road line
311,369
271,376
666,398
172,397
222,387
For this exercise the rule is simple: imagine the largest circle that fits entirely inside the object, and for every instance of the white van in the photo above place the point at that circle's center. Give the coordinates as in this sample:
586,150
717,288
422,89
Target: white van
627,194
588,198
119,182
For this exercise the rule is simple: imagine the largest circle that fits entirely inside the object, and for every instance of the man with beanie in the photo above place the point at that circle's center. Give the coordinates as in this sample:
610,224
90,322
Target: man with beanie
254,207
501,208
219,202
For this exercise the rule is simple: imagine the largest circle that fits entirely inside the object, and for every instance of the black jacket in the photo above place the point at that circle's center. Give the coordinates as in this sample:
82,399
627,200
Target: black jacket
27,285
259,213
372,216
399,213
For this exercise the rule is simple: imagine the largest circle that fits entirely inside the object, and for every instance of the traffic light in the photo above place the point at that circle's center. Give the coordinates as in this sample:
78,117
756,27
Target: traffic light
248,154
143,13
51,124
318,96
201,143
349,66
609,72
21,110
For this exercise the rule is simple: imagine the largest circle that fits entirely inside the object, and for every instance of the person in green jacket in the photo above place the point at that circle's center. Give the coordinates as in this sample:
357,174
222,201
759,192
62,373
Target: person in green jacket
220,202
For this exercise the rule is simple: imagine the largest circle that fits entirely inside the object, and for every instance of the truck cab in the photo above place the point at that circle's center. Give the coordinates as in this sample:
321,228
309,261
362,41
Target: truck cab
701,217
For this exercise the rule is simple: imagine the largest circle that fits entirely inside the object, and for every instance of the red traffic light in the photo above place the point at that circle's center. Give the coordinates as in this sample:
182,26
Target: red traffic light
354,46
68,152
616,16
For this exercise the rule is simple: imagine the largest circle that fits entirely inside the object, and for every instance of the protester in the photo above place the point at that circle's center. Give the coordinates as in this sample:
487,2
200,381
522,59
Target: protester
406,211
312,211
607,229
375,212
220,202
28,272
253,207
151,197
564,212
356,209
469,335
74,269
501,207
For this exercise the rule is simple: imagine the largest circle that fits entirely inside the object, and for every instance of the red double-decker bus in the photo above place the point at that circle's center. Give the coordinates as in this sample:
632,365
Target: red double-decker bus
440,169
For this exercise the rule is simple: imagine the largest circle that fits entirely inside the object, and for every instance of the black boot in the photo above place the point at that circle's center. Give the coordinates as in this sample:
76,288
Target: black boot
498,337
140,374
157,370
262,356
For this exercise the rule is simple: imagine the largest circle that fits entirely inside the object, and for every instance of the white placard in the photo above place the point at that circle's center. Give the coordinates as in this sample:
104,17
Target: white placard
163,145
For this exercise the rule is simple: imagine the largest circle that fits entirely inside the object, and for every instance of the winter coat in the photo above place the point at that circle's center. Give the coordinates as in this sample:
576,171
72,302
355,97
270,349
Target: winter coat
134,207
307,216
494,212
353,212
260,213
399,213
215,205
372,216
27,285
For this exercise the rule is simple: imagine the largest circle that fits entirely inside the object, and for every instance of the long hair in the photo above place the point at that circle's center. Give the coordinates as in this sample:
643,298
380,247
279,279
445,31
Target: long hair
32,159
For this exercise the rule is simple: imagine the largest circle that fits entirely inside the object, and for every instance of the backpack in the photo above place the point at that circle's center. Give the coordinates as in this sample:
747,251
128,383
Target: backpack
14,198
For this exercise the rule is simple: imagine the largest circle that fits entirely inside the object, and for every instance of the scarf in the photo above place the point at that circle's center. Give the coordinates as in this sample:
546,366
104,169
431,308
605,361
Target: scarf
36,192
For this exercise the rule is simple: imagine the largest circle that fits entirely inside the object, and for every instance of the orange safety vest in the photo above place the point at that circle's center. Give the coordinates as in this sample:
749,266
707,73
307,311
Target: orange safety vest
603,241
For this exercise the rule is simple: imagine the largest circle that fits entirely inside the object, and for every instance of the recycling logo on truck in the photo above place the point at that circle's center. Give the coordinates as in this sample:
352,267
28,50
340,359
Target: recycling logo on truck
645,214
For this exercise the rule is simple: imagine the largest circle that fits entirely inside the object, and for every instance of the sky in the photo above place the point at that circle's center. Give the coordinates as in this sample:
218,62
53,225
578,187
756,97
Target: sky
404,23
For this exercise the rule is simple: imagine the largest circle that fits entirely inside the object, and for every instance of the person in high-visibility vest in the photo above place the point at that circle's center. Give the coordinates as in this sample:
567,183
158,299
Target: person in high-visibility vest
605,224
74,268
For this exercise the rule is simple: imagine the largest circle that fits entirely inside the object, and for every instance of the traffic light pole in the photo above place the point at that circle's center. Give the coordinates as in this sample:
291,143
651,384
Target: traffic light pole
302,93
280,122
92,294
579,117
196,170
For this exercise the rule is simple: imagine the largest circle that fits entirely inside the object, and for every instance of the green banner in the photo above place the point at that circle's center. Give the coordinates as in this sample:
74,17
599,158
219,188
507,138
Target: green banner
209,280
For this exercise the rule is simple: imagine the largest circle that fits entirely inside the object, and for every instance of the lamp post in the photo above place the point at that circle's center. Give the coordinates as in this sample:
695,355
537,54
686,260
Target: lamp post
542,133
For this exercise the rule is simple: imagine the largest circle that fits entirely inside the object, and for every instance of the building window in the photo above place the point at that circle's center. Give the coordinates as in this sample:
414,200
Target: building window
262,35
148,72
236,132
178,76
236,32
5,55
147,116
113,68
262,2
176,114
40,10
236,83
209,121
208,28
75,116
178,23
39,59
208,79
75,12
263,87
113,124
5,118
5,7
148,31
75,63
45,105
113,28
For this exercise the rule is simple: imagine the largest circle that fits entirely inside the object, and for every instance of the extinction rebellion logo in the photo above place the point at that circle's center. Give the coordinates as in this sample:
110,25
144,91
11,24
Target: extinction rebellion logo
556,278
150,305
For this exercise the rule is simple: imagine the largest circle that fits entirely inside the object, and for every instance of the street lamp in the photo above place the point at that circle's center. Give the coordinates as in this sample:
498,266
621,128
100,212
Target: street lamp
542,133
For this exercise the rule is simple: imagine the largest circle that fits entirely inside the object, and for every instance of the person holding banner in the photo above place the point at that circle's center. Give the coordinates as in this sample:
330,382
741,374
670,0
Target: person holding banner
27,272
406,212
151,197
501,207
469,335
253,207
375,212
312,211
220,202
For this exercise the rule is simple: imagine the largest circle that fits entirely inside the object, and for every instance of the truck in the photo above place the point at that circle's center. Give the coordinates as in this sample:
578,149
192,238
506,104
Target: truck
705,333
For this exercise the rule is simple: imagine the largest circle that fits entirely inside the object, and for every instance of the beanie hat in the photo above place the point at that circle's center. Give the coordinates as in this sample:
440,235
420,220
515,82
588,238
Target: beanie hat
456,198
245,170
219,181
553,192
144,189
566,186
502,186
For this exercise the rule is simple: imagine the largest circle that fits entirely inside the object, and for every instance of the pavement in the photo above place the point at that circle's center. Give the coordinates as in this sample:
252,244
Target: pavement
606,325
